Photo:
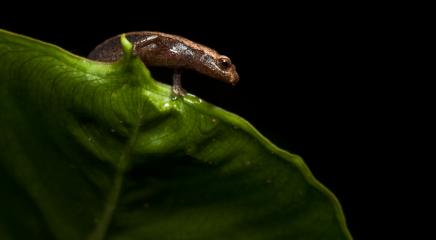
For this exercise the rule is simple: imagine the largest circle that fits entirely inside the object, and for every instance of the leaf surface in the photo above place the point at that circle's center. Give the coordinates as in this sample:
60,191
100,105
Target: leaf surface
96,151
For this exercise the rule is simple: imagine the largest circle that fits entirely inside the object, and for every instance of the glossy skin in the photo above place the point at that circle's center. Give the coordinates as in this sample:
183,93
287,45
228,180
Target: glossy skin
161,49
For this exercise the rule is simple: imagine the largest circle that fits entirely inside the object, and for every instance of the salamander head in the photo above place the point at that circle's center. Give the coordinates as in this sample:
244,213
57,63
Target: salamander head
218,66
226,70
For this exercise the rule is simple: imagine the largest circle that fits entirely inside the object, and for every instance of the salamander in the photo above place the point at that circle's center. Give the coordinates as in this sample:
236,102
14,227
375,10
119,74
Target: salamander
162,49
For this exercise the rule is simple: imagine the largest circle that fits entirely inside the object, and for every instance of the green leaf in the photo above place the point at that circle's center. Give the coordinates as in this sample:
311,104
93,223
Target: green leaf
91,150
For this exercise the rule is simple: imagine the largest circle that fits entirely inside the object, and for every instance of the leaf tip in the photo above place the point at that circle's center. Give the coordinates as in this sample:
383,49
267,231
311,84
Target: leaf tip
126,45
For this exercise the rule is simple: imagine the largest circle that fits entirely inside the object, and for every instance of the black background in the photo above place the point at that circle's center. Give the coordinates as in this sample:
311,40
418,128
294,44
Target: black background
313,79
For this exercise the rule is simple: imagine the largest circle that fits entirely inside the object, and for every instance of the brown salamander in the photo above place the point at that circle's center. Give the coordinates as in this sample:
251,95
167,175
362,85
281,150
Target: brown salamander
161,49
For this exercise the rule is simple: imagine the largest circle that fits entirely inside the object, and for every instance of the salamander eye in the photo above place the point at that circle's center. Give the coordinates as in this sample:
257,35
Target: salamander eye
224,63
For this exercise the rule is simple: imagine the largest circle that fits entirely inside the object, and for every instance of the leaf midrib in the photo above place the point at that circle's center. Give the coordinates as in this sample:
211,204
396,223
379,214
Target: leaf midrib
101,229
102,226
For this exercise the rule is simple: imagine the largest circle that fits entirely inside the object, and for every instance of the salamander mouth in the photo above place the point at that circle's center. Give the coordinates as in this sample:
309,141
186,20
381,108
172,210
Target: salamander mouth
234,78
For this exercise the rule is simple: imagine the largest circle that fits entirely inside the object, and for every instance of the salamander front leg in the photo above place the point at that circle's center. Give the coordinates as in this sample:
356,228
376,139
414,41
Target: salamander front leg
177,83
